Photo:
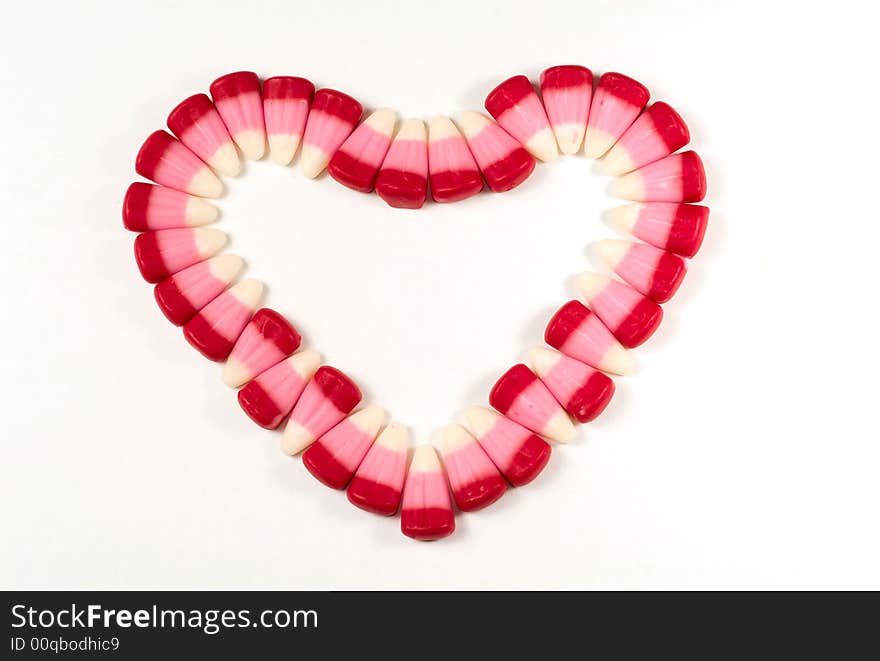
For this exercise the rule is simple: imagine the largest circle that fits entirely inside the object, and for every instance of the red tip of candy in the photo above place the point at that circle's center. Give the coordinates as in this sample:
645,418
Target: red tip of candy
288,87
373,497
188,112
325,467
402,190
276,329
668,275
427,524
529,461
625,88
337,103
669,125
566,75
639,324
693,177
337,388
566,320
233,84
590,400
352,172
510,171
258,405
173,303
134,206
151,152
507,94
688,230
456,185
509,386
480,493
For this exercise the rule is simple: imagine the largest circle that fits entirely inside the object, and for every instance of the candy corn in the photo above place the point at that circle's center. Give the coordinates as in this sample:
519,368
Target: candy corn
617,102
197,124
453,171
240,104
217,326
403,178
518,110
521,396
631,317
148,207
678,228
378,482
332,118
566,91
658,132
654,272
166,161
269,397
504,163
267,339
357,161
334,458
518,453
165,252
426,512
676,178
583,391
286,101
580,334
474,479
326,400
182,295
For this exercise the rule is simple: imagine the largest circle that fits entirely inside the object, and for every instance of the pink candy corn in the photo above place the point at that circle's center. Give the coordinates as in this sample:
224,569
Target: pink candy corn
267,340
215,329
165,252
521,396
166,161
378,482
566,91
197,124
240,104
327,399
676,178
453,170
583,391
473,478
518,453
657,133
334,457
403,178
580,334
654,272
616,104
148,207
678,228
286,101
426,512
182,295
356,163
504,163
332,118
631,317
517,108
269,397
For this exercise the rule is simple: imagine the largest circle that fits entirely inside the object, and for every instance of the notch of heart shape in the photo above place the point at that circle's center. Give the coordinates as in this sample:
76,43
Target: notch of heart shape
344,448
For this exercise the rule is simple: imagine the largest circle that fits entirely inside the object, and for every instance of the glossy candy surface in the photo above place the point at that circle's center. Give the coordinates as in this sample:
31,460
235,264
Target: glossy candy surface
334,458
217,326
504,163
453,171
658,132
566,91
426,509
239,101
518,453
168,162
617,102
269,397
331,120
286,102
357,161
583,391
267,340
183,294
655,273
579,333
676,178
150,207
378,482
473,478
516,107
163,253
631,317
403,178
197,124
522,397
671,226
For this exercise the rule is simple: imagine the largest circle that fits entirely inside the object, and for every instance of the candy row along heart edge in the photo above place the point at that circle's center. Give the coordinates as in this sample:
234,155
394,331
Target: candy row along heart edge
588,337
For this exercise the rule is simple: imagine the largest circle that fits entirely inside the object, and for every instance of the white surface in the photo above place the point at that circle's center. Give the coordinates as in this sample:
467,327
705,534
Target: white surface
744,453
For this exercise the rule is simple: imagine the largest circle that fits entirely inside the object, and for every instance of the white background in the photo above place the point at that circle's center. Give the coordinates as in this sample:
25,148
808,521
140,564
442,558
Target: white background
743,454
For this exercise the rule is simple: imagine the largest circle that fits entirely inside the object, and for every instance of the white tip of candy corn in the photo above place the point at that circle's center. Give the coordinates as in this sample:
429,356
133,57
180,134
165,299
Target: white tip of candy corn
453,437
382,121
597,142
305,363
559,427
628,187
425,460
617,360
542,360
313,161
472,122
248,292
590,284
543,146
611,251
235,373
252,144
615,162
394,437
569,137
200,212
296,438
480,419
205,184
441,128
209,241
226,267
368,419
625,216
225,160
412,129
282,147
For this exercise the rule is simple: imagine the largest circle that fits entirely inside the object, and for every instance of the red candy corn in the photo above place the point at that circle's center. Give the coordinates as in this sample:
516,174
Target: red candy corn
631,317
357,161
678,228
617,102
334,458
378,482
521,396
326,400
473,478
504,163
580,334
197,124
654,272
453,170
403,178
240,104
217,326
518,110
426,512
566,91
267,340
286,101
166,161
182,295
676,178
269,397
165,252
658,132
583,391
519,454
332,118
148,207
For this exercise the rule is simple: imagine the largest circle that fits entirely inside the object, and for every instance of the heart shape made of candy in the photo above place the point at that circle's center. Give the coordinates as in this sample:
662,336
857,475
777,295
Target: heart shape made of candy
405,163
